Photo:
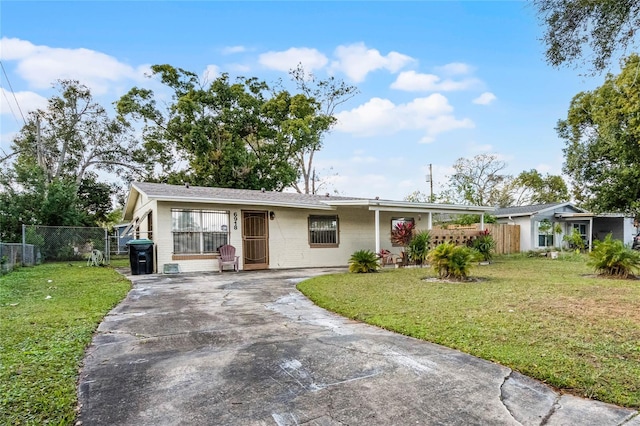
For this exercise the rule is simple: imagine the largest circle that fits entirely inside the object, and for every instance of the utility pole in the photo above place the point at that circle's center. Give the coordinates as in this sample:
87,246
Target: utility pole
430,180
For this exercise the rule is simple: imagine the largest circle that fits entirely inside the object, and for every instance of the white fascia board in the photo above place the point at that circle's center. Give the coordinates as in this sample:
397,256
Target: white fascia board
129,204
435,209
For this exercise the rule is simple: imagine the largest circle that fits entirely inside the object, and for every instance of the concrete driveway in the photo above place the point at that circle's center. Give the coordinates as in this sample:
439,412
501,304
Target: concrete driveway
248,349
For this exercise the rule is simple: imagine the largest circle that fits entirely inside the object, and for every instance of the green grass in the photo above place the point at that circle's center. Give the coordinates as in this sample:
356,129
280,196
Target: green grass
544,318
43,338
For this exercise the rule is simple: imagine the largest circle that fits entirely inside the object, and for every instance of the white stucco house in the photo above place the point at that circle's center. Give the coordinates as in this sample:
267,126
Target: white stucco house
591,226
270,230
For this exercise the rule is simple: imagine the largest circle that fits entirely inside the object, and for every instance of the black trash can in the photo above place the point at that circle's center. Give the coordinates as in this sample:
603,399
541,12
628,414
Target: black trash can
141,256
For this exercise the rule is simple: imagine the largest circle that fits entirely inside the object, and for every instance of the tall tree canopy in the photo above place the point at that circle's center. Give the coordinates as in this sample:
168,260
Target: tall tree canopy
329,94
591,31
530,187
241,135
53,178
478,181
602,136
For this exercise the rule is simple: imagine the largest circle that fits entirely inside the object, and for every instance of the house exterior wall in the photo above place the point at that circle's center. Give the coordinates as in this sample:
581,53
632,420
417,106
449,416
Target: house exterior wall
288,236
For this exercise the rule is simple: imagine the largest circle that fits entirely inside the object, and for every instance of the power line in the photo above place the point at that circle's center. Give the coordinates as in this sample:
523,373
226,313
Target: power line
13,93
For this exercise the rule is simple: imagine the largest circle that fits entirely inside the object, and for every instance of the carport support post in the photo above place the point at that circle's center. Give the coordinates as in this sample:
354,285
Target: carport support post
430,221
482,221
590,232
377,222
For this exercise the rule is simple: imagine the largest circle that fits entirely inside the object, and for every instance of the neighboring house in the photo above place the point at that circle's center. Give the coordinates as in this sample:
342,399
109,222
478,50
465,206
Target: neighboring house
269,229
530,218
590,226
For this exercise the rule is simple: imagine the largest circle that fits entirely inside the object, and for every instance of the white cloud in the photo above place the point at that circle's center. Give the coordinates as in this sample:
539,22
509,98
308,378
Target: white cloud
211,73
432,114
311,59
544,168
455,68
364,159
229,50
28,101
41,65
412,81
356,61
485,99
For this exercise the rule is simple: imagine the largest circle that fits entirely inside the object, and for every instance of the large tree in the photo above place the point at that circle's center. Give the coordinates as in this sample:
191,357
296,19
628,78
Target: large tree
531,187
226,134
602,135
329,94
51,177
478,181
588,31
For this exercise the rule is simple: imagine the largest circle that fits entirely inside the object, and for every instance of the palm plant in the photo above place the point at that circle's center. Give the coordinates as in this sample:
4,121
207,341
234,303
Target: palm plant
451,261
363,261
611,257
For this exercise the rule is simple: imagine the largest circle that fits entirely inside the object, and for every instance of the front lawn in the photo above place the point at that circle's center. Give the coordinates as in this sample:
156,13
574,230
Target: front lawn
48,314
548,319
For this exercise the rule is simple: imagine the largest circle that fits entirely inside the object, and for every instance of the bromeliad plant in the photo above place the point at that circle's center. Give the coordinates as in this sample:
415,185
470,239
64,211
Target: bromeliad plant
363,261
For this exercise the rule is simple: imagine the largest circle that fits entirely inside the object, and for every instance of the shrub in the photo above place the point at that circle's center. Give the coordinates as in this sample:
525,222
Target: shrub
485,245
419,247
363,261
451,261
574,240
611,257
401,235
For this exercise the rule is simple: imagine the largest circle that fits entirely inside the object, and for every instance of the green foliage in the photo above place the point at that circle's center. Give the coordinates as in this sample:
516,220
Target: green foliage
485,245
451,261
44,339
418,247
478,181
530,187
363,262
602,143
610,257
587,31
575,241
472,219
234,135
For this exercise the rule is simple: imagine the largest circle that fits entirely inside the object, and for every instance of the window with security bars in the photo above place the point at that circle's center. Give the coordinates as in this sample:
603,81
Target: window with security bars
323,231
199,231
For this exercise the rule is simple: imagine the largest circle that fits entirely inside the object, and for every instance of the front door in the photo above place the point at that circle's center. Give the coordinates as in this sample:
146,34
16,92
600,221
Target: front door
255,240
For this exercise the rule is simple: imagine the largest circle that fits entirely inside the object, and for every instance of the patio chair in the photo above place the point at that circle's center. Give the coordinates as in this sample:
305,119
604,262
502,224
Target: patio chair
228,257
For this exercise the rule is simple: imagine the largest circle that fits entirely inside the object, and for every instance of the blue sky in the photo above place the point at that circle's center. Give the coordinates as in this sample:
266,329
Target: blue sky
437,80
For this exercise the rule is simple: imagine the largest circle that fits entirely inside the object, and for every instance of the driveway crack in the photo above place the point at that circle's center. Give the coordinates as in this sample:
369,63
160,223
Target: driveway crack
554,407
506,378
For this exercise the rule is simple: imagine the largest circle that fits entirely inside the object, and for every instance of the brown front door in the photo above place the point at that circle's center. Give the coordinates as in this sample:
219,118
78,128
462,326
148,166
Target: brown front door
255,240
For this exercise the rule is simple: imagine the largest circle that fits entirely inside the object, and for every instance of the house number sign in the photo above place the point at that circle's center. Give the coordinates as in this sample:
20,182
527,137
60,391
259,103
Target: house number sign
235,220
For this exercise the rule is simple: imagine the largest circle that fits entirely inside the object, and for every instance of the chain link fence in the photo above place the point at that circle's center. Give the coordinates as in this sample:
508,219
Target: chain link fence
17,254
65,243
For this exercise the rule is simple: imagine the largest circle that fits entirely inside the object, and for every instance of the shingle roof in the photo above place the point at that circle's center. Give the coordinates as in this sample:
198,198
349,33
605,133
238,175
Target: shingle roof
160,190
524,210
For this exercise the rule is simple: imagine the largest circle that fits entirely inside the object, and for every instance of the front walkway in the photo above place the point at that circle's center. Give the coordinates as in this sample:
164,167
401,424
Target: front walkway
248,349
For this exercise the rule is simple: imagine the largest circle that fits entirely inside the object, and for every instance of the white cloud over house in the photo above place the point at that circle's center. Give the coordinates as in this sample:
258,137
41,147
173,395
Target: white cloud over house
230,50
431,114
455,68
411,81
40,65
485,99
311,59
356,61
